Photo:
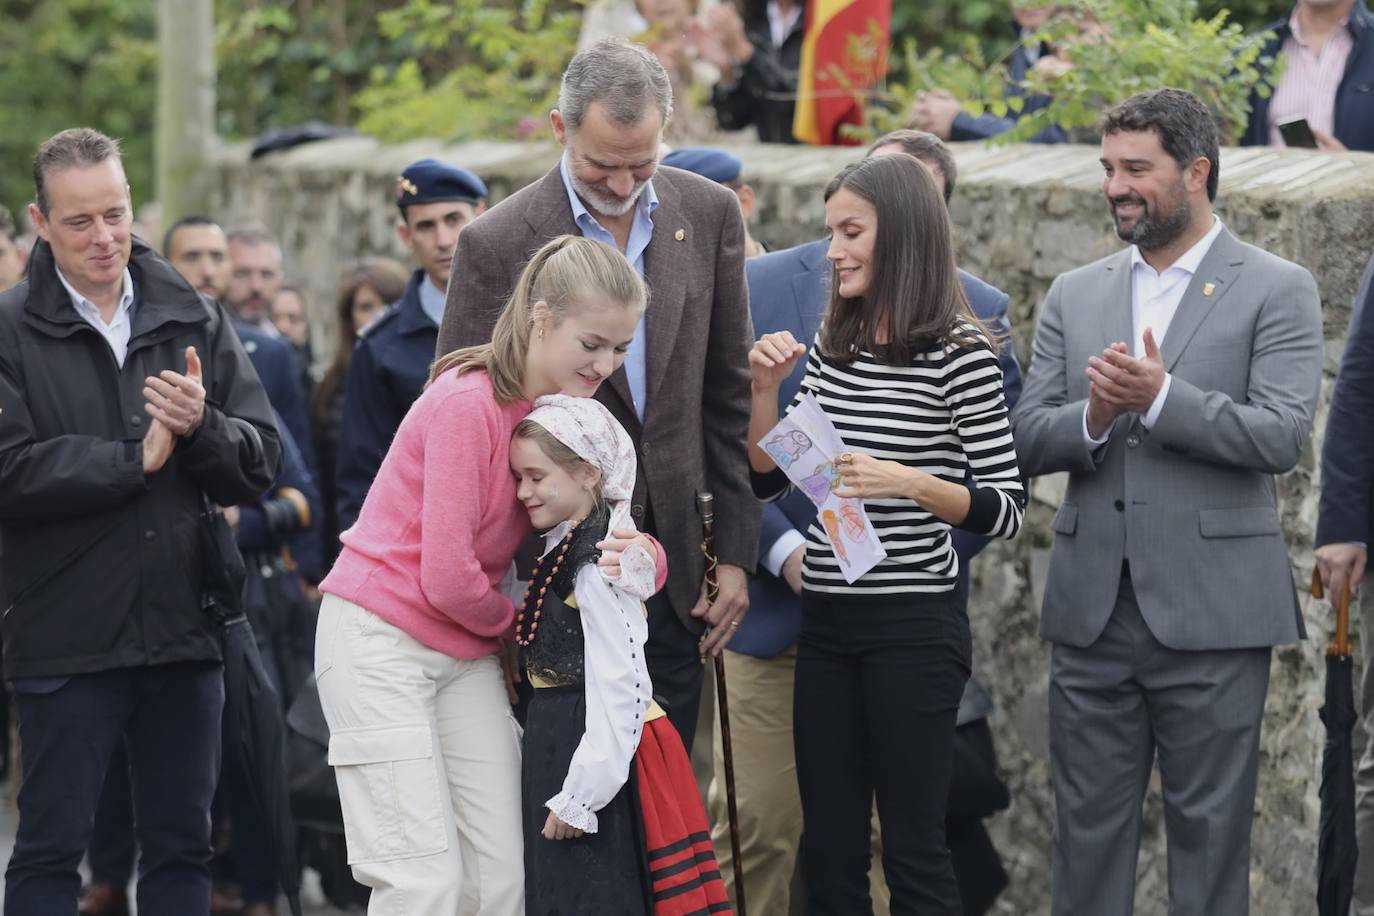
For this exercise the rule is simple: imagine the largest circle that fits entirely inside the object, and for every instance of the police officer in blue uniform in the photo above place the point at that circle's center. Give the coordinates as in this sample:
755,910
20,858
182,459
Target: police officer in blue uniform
391,363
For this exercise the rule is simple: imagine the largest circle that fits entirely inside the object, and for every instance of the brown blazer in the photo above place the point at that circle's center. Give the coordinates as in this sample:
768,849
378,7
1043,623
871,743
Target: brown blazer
699,333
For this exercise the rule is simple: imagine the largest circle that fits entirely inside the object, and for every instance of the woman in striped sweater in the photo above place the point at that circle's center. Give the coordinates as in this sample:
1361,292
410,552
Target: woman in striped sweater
910,379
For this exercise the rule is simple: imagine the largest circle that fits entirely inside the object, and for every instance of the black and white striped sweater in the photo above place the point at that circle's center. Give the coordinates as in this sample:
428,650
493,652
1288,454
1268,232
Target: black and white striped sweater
943,414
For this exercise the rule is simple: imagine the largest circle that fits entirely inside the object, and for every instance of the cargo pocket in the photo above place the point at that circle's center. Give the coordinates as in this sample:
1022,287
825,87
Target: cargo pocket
327,633
389,791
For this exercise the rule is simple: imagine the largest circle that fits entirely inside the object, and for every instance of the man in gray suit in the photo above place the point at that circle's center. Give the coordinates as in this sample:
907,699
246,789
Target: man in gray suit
1169,580
683,392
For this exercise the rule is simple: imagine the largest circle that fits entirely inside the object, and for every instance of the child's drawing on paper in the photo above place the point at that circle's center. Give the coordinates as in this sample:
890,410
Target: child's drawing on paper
831,521
822,483
805,446
851,513
785,448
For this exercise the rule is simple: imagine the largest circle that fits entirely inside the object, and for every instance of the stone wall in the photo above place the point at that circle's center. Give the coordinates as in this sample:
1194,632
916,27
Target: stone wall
1023,214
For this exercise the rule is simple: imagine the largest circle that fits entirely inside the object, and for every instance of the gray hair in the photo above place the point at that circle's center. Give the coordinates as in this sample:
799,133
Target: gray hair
253,235
627,78
76,147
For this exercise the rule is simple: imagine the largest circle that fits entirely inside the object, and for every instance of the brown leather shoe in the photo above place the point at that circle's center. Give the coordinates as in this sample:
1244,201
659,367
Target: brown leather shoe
103,899
260,909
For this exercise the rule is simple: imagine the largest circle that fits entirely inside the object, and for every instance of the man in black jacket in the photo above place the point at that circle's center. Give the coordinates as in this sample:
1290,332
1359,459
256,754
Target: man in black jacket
124,396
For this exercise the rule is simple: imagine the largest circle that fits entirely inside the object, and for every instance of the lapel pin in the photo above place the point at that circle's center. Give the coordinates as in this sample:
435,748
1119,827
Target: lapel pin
680,234
1208,288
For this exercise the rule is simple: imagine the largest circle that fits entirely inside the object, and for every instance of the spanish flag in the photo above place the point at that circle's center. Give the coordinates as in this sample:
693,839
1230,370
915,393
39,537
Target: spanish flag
844,53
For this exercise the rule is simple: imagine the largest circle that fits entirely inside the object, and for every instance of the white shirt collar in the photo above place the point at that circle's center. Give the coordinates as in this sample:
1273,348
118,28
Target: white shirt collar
1190,259
86,307
779,25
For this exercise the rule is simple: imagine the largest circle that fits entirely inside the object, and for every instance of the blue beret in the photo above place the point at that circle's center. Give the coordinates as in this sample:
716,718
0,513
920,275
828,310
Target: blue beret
706,161
430,181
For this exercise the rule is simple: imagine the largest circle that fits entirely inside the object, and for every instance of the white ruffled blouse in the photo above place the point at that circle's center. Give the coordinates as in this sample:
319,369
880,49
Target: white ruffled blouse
616,681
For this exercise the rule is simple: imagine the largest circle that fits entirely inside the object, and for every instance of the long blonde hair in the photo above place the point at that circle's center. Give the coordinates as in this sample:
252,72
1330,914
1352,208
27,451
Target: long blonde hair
568,274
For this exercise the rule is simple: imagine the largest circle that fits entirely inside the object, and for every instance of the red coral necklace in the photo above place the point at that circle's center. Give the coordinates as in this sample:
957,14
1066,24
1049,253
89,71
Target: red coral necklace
522,638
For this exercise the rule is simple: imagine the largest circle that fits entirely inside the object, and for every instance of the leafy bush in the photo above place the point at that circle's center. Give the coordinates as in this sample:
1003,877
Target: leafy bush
1117,48
503,88
79,63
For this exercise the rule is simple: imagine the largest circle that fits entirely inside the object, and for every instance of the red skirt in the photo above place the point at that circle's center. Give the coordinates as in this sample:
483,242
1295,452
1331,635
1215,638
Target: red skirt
684,877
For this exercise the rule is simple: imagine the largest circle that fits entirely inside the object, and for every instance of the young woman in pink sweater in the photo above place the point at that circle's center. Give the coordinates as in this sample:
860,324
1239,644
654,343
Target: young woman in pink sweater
423,744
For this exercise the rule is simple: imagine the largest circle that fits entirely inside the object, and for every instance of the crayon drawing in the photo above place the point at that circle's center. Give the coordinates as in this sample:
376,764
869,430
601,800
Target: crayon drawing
832,528
786,447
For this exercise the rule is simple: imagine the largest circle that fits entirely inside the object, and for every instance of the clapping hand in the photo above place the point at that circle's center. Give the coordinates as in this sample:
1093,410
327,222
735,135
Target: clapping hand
175,400
1125,382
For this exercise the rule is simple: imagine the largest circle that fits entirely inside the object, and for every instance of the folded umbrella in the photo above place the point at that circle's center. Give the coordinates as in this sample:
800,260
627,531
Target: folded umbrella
252,706
252,711
1337,851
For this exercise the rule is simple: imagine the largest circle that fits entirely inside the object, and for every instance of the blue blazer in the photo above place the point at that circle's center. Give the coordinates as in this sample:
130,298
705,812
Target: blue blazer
788,291
1346,510
275,362
1354,122
386,374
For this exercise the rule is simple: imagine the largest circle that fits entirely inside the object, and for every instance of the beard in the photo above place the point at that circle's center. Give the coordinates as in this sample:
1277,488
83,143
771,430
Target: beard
1154,229
604,203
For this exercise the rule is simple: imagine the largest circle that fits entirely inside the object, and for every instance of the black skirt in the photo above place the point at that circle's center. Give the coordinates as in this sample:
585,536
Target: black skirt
600,873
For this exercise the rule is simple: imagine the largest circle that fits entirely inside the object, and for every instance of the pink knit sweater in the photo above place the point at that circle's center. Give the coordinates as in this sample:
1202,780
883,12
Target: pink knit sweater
441,523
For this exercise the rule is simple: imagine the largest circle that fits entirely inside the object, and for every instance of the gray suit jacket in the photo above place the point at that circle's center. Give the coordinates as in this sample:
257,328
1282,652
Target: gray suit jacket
699,334
1191,503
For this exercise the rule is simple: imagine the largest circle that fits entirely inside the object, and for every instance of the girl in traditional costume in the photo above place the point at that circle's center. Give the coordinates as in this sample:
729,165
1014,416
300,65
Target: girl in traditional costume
613,822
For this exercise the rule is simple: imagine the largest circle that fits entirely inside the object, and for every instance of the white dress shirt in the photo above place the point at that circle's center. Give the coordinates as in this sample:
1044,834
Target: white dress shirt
780,24
120,328
1155,297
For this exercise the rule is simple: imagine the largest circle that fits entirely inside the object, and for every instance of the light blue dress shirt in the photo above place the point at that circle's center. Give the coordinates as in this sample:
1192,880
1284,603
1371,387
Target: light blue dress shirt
432,300
641,231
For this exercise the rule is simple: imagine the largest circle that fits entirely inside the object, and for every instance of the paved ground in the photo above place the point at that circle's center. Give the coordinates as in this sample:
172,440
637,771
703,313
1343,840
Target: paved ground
315,904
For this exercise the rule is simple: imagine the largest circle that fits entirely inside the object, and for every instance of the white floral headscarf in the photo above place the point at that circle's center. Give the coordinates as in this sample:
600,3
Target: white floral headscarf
588,428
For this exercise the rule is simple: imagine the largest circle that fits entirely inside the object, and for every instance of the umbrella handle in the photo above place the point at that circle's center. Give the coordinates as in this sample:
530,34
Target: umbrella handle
1340,645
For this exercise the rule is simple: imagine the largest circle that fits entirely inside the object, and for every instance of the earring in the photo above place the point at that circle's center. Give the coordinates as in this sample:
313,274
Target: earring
541,333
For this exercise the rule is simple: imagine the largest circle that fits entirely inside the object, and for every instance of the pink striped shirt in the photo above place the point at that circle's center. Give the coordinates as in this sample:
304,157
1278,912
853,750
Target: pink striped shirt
1310,79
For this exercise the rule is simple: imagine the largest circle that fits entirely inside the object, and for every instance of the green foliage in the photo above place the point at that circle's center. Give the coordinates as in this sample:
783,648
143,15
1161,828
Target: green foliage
282,62
1116,48
953,24
503,85
78,63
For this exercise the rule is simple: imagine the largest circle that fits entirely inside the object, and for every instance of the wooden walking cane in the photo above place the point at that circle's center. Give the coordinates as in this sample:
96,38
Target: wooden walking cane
1340,644
706,506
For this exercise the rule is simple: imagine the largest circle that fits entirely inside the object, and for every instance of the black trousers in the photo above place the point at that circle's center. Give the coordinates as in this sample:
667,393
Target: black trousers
169,720
876,700
112,851
671,656
674,667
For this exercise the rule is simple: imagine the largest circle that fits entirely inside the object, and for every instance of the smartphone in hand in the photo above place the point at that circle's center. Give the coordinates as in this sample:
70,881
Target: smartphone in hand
1297,132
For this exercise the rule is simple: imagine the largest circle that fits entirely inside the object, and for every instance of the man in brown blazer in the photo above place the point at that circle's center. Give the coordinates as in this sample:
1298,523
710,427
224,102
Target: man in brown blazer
683,392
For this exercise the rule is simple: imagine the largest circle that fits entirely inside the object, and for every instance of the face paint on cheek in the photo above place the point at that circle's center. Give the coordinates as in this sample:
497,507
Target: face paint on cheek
553,493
